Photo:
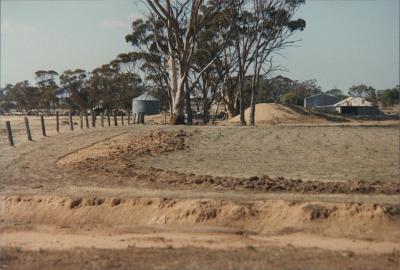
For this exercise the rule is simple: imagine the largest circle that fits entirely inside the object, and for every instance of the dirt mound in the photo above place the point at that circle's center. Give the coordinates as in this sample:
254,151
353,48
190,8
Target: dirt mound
126,148
249,217
272,113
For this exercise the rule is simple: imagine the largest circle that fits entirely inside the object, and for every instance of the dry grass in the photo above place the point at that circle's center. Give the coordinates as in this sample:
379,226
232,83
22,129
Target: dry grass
331,153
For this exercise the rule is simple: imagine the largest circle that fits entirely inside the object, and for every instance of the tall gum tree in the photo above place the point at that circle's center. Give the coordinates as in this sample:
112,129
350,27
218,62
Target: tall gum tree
182,21
263,28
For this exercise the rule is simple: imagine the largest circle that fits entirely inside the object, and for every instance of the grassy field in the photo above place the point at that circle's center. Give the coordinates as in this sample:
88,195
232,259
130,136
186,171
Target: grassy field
327,153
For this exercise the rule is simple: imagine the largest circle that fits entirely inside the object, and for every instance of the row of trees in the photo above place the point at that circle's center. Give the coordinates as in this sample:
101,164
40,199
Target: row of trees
110,87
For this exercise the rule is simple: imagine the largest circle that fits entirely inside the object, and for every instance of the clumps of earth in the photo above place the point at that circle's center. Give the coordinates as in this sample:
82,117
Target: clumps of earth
116,158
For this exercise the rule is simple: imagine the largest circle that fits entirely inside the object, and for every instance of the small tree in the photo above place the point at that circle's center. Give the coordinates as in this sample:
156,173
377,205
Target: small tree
335,92
390,97
48,88
363,91
292,98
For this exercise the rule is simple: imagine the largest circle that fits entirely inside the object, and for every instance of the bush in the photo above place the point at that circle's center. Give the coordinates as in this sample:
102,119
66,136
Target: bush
292,99
390,97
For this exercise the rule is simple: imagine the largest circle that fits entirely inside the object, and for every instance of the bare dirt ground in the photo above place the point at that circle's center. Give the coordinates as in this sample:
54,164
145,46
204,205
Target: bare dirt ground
159,197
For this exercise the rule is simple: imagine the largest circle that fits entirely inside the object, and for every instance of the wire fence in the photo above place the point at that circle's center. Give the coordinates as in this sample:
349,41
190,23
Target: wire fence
29,128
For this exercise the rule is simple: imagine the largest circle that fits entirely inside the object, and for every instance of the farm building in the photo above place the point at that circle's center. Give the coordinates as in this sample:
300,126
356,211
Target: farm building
356,106
319,100
146,104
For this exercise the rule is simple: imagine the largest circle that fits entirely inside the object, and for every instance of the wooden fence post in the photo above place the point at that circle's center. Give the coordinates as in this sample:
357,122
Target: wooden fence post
93,119
9,133
57,121
102,119
43,125
142,118
81,120
115,119
87,120
108,119
28,130
134,118
138,117
71,122
122,120
129,118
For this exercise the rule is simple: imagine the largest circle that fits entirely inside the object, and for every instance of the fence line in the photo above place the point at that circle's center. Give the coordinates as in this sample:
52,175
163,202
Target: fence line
137,119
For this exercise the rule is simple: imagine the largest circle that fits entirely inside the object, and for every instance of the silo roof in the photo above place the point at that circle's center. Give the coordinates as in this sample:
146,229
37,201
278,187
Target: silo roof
146,96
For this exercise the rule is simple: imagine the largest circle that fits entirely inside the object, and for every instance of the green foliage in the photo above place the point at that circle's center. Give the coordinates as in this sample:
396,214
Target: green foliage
390,97
363,91
291,98
20,96
275,89
335,92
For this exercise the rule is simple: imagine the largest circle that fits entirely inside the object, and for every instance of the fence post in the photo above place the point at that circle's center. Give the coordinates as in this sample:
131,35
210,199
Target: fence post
87,120
142,118
138,117
43,126
81,119
93,119
122,120
134,118
129,118
57,121
115,119
28,130
108,119
9,133
71,122
102,119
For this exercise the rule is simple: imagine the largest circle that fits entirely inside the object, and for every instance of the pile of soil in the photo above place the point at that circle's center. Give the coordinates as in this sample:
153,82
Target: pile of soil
272,113
125,148
116,158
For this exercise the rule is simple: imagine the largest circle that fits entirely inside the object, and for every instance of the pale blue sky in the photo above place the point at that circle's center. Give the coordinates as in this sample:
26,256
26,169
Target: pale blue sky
344,43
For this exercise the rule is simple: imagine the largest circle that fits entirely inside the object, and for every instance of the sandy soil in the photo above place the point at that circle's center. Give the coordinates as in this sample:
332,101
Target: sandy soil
137,195
193,259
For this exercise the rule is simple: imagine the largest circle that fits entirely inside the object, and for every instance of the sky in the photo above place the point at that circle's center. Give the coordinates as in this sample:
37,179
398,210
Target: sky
345,42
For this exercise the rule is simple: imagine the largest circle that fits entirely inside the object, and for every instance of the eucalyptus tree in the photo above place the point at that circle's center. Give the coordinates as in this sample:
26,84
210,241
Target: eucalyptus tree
181,23
75,82
364,91
151,56
335,92
127,84
209,81
46,82
21,96
114,85
263,28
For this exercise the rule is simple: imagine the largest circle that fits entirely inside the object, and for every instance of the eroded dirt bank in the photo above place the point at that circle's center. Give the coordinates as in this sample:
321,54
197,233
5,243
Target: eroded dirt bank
258,218
48,232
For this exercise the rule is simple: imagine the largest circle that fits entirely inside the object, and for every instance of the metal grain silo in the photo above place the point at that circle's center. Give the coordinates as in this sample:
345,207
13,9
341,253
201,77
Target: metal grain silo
146,104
